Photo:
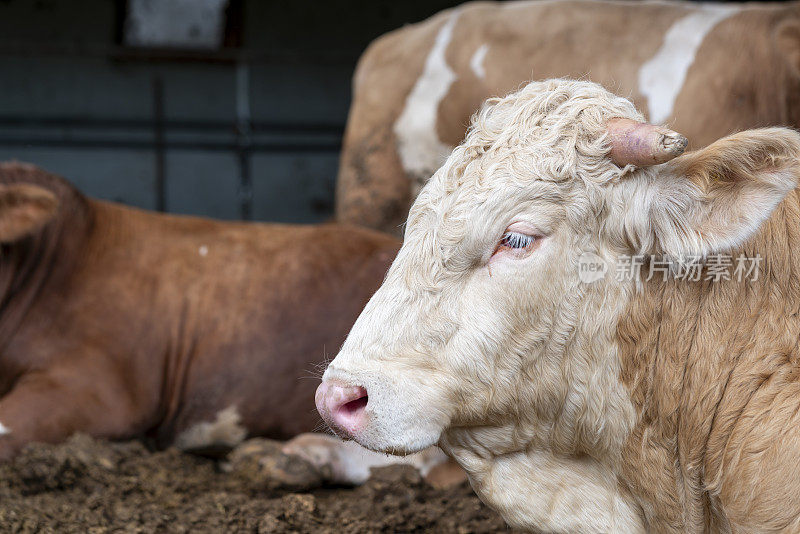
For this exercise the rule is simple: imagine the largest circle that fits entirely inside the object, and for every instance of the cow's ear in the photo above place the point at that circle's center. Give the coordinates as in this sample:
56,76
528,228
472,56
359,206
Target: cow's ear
711,200
24,209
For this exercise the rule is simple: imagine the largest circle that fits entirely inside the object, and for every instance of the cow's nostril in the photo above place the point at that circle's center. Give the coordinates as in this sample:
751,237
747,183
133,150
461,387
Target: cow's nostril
355,406
342,407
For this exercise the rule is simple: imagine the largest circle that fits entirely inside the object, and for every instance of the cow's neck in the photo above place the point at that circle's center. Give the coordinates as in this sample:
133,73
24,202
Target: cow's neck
689,351
38,266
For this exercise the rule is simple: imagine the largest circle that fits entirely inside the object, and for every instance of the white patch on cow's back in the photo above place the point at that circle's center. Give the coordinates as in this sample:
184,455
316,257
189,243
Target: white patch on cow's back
476,62
662,76
421,152
225,431
4,430
203,251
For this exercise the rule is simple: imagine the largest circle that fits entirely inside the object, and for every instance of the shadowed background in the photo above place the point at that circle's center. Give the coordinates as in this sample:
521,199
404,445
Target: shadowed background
245,127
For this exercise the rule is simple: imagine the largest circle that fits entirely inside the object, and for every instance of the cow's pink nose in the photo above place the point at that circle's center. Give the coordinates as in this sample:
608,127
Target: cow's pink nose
342,407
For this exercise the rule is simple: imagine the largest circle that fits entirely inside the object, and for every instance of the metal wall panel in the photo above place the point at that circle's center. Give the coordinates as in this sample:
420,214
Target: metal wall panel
118,175
251,130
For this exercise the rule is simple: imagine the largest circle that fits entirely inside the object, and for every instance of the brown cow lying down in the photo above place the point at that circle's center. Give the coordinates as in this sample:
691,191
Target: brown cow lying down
124,323
416,88
578,394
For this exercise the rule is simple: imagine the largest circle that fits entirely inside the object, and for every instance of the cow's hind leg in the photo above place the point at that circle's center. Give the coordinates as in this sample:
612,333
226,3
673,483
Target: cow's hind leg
349,463
51,406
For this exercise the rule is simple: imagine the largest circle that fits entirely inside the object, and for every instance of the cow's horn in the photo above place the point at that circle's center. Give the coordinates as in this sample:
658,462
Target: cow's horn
642,144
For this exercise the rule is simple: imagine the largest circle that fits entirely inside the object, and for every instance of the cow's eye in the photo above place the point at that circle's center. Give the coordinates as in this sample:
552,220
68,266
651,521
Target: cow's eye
517,243
516,240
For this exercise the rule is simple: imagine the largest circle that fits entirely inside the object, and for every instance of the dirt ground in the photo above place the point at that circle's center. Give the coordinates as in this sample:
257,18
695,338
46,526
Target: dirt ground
86,485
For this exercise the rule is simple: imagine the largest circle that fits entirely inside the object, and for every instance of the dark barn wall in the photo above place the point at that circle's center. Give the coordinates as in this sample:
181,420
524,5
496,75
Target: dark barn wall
251,130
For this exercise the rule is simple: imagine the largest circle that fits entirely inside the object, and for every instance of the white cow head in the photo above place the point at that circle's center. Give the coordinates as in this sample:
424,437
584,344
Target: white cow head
485,335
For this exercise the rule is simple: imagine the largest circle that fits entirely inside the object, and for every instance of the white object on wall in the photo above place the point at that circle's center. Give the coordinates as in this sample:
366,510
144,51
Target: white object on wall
188,24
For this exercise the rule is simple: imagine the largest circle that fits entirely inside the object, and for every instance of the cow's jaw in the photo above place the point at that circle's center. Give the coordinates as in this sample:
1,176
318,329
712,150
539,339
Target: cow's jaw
563,475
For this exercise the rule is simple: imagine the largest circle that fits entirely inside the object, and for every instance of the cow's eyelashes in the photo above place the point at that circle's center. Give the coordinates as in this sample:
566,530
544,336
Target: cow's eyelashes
517,244
516,240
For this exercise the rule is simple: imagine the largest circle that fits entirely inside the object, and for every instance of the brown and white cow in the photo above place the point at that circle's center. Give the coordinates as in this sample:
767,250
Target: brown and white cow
599,403
415,88
122,323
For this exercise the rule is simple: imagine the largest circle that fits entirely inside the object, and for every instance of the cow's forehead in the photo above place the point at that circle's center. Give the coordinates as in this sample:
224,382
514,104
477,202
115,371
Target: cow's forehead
558,107
545,135
551,130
